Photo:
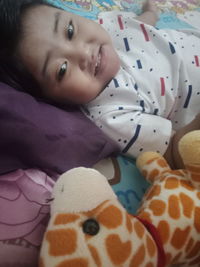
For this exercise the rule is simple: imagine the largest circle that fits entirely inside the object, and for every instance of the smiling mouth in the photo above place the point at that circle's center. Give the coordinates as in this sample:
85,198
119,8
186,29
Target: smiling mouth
98,63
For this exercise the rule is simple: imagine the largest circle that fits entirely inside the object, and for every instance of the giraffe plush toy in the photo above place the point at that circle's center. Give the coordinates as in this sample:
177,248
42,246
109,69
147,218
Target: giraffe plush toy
89,227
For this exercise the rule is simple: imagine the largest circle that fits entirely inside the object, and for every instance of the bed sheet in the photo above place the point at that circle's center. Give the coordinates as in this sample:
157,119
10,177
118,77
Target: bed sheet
173,13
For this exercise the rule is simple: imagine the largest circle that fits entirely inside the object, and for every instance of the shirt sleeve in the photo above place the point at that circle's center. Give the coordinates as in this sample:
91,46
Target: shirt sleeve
135,131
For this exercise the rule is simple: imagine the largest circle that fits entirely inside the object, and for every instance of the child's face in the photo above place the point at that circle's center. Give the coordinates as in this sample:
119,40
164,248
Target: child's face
71,57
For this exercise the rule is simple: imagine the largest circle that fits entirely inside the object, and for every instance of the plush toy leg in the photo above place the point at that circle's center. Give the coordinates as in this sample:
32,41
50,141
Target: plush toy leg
151,165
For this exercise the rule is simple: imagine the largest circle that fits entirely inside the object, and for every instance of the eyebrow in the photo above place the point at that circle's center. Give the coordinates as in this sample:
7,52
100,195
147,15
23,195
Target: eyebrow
56,21
44,68
48,54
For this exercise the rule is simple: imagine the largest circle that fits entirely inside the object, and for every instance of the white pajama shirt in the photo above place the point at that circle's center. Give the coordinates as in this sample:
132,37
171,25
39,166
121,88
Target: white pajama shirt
157,89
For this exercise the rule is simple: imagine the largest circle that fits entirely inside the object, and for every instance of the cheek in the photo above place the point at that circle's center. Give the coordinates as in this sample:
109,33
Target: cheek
97,32
83,91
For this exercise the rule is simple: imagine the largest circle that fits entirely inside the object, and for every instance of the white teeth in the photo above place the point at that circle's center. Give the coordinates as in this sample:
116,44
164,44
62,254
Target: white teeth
99,59
97,63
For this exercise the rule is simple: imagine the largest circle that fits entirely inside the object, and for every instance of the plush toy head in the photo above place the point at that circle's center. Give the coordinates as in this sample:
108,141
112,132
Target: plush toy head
89,227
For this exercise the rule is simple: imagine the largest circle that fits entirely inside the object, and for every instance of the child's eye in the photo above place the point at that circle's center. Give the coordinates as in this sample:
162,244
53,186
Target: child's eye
70,30
62,70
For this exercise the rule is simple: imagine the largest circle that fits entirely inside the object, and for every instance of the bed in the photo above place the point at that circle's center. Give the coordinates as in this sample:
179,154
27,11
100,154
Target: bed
23,191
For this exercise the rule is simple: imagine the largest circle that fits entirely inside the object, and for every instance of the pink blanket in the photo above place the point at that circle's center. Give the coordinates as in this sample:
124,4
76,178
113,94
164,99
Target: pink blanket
24,214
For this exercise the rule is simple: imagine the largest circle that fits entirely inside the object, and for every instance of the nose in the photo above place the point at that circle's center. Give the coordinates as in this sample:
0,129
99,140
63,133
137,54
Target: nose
84,57
81,55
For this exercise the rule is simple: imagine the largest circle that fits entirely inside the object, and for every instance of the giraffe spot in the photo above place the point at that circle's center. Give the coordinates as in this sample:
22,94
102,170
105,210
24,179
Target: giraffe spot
139,229
197,219
162,163
194,251
154,191
151,248
158,207
153,174
173,207
129,225
110,217
179,237
41,263
187,204
118,251
65,218
172,183
145,215
138,258
164,230
80,262
61,242
187,185
95,255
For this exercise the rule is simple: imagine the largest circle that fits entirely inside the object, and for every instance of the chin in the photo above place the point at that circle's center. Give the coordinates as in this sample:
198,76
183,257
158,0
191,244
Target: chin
86,99
115,66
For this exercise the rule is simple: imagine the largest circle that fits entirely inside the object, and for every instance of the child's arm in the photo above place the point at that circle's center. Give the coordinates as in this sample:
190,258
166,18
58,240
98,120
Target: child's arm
172,155
149,15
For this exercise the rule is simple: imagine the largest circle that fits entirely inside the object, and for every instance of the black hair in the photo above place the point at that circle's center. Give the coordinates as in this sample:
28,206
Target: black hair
12,70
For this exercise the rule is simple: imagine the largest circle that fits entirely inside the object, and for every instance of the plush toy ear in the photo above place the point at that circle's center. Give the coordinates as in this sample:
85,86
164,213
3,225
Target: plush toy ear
152,165
189,148
80,189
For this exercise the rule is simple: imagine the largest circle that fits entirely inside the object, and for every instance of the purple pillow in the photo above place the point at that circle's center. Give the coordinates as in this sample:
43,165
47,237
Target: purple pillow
35,134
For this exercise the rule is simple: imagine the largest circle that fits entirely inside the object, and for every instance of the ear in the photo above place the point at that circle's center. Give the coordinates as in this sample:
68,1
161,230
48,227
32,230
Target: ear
152,165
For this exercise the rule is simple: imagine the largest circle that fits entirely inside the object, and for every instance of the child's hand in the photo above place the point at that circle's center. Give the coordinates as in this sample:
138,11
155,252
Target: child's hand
150,13
150,5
